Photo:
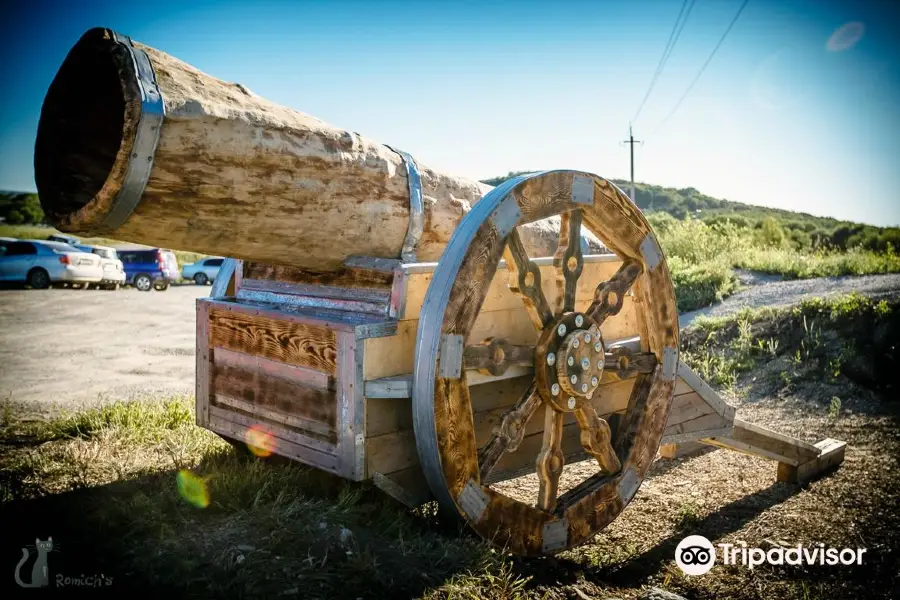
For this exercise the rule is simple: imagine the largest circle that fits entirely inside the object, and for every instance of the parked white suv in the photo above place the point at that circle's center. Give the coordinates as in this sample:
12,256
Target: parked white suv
39,264
113,270
203,271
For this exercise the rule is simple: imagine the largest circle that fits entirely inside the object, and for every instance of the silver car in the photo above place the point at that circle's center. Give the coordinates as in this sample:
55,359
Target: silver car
113,269
203,271
39,264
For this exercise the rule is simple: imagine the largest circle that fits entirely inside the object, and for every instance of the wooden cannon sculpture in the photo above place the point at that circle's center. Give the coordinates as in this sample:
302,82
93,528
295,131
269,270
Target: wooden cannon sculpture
380,320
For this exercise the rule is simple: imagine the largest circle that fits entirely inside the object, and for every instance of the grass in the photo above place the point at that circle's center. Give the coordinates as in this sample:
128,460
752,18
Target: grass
39,232
702,258
852,336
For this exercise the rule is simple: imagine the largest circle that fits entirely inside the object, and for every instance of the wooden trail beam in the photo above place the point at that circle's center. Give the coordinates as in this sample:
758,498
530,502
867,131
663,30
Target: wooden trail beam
704,419
137,145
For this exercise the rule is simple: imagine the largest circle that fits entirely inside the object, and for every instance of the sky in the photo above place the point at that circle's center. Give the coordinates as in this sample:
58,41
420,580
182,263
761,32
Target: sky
793,111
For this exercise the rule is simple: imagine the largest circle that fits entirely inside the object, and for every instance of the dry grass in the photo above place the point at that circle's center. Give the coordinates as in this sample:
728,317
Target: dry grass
104,484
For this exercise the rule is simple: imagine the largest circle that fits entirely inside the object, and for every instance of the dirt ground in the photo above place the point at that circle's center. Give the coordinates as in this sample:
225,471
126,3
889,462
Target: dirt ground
75,348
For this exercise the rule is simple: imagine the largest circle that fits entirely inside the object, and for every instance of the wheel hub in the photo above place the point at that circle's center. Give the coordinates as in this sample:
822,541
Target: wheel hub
569,360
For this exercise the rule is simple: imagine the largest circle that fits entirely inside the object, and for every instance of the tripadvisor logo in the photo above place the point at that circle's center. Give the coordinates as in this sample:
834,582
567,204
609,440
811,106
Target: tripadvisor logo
695,555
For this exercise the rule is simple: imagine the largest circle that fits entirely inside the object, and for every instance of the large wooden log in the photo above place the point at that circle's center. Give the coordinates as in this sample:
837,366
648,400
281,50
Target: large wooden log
232,174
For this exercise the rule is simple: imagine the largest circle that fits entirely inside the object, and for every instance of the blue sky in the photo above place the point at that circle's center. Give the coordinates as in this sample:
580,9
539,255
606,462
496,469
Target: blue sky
482,88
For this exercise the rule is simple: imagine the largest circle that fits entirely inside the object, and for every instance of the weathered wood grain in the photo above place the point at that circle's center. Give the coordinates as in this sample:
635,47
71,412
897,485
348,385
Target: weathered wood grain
233,173
279,340
753,439
278,396
344,276
202,393
831,454
279,440
273,428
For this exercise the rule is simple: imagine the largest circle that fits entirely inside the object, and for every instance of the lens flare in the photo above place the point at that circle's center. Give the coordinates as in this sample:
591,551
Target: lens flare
846,36
259,441
192,488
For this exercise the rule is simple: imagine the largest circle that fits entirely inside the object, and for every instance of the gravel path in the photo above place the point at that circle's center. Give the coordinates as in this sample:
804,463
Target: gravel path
76,348
770,291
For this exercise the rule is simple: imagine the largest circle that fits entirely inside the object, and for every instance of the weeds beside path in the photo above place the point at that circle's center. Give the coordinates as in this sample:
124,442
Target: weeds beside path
785,293
703,258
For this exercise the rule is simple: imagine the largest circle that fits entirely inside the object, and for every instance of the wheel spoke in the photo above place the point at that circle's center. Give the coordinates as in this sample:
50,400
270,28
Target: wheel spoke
623,363
495,356
609,296
508,435
596,439
525,280
568,260
550,461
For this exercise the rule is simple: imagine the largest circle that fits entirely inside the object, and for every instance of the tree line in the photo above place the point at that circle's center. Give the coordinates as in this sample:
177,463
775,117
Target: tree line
777,227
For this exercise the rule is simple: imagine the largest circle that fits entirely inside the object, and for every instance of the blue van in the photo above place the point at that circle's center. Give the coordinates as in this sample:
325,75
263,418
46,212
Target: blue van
152,268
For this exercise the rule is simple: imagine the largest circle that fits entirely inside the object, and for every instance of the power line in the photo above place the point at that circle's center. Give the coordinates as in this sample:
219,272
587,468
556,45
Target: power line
667,51
702,69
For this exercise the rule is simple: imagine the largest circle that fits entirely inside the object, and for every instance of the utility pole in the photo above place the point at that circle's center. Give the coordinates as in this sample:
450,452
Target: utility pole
631,141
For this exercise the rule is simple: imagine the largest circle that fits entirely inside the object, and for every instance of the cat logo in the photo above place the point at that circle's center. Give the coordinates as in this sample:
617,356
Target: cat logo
40,575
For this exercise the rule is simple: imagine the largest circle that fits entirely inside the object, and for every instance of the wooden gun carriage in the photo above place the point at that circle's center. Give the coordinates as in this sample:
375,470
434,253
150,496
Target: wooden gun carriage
380,320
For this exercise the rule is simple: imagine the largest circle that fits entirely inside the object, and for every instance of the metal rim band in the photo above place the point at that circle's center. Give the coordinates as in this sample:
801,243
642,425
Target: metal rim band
150,122
416,208
428,336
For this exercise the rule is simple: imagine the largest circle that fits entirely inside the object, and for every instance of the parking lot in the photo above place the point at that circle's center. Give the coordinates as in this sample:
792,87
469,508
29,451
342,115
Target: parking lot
70,348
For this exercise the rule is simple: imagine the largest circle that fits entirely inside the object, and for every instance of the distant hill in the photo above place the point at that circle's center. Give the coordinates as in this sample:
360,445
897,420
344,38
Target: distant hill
807,230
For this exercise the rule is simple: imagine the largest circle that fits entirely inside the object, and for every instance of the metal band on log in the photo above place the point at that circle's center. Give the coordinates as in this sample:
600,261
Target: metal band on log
232,174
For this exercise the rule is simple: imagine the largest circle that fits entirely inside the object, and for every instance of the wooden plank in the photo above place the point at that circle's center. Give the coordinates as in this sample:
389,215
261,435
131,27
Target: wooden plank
276,416
391,452
407,486
349,277
308,377
831,454
273,428
202,376
682,387
703,422
384,415
275,443
705,391
759,441
351,433
278,395
274,338
672,451
703,435
687,407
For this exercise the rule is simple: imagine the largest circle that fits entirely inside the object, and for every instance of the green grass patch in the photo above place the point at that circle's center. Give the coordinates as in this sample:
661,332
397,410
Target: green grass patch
849,336
702,258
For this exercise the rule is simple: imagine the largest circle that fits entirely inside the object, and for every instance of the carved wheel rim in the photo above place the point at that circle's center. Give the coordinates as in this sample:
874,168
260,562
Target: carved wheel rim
454,466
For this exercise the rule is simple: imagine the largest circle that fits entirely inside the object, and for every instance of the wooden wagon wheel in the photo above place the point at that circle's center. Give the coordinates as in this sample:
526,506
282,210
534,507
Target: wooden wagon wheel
569,360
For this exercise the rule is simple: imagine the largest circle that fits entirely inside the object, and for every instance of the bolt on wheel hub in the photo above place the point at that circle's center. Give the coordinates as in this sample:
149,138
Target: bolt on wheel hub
570,361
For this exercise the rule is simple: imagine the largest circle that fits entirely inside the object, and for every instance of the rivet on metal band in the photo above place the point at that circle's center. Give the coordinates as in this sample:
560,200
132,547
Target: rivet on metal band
416,208
153,111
